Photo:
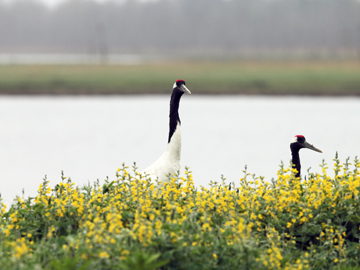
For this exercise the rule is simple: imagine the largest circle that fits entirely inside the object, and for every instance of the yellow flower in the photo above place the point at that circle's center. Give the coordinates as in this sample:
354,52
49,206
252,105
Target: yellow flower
215,256
103,255
20,248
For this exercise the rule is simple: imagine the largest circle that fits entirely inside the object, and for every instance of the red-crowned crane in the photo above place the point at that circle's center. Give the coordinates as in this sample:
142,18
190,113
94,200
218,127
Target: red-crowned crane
296,144
169,161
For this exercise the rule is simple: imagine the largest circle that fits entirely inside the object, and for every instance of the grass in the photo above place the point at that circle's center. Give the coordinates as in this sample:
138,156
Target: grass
133,223
202,77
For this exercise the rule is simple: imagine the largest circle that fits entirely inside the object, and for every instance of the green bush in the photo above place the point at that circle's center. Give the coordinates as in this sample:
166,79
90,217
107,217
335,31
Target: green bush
134,223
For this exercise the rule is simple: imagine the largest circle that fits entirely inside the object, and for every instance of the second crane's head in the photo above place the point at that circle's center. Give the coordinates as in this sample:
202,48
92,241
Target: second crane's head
179,87
299,142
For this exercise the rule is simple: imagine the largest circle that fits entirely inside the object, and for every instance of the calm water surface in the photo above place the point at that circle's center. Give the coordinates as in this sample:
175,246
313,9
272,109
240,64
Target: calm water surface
90,137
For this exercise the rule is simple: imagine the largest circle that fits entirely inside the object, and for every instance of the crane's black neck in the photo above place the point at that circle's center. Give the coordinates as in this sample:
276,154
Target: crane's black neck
174,111
295,158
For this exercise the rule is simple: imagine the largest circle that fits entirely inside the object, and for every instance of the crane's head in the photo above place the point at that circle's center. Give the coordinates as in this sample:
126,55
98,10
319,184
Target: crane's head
299,142
179,85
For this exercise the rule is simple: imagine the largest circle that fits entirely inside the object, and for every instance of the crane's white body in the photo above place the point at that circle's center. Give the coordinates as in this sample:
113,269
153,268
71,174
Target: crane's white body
169,161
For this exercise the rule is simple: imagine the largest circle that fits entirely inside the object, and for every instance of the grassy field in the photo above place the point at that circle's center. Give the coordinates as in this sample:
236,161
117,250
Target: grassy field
202,77
130,222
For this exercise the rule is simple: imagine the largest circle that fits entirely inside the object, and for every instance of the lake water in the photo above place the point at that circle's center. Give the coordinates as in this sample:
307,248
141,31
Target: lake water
90,137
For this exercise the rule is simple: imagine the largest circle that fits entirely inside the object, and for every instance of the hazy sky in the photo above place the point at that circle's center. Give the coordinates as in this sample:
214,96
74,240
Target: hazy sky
54,3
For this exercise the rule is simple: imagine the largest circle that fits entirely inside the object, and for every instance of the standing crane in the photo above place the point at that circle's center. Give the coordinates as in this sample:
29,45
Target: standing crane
169,161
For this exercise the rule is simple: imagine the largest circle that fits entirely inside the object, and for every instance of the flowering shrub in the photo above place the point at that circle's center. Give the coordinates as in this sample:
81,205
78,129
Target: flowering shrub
134,223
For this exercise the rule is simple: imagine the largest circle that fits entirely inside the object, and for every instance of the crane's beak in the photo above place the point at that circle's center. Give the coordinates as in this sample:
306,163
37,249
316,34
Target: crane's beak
310,146
185,90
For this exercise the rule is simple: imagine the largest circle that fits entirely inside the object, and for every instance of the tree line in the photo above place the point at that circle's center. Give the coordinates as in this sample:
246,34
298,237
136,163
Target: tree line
179,26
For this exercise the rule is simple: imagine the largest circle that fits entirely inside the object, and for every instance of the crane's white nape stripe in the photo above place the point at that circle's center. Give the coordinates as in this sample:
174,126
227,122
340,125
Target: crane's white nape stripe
174,85
294,140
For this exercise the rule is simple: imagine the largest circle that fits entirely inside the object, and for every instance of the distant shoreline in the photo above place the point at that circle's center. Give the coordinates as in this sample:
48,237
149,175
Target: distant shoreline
290,78
65,93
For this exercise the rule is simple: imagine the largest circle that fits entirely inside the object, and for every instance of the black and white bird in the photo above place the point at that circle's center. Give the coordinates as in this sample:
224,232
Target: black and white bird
169,161
296,144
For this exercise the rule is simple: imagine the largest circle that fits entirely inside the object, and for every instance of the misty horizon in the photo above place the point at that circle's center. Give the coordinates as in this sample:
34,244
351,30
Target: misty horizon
181,27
